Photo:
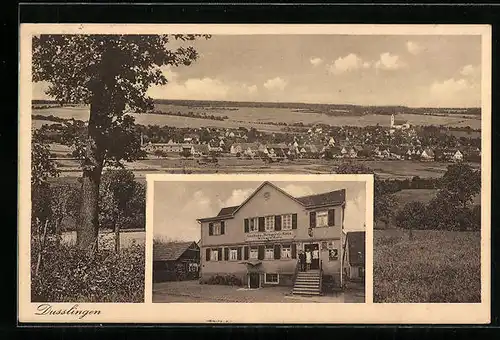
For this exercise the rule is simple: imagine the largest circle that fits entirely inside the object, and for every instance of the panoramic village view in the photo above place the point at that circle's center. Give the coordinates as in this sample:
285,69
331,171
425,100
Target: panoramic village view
405,108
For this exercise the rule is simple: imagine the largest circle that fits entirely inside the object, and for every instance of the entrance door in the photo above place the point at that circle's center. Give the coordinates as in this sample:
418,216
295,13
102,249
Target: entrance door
254,280
314,249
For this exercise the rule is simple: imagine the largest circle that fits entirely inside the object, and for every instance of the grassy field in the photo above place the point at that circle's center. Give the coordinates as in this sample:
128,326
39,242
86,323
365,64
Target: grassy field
436,266
385,169
258,117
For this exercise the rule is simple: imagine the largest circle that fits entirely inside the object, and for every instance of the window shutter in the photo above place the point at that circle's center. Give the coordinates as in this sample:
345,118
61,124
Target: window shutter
226,254
294,251
207,254
210,229
277,252
245,253
262,226
222,225
261,253
238,251
312,219
246,225
331,217
219,255
277,222
294,221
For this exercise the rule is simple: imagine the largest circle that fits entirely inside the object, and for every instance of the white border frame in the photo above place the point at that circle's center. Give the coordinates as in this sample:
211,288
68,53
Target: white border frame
252,313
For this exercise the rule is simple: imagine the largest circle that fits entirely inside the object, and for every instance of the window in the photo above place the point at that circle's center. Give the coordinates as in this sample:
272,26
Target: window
286,222
271,278
269,255
214,255
254,224
286,252
233,255
254,253
269,223
321,218
216,229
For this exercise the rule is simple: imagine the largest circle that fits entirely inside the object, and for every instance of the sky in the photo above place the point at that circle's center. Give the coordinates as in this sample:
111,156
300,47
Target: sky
177,205
416,71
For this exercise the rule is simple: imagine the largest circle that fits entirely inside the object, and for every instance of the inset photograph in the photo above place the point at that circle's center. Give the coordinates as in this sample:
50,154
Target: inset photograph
226,240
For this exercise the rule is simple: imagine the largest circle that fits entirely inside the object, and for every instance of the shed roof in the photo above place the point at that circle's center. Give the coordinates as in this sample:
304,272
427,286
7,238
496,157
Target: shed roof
170,251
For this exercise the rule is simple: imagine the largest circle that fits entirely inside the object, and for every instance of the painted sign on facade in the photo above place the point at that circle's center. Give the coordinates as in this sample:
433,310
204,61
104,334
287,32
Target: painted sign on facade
268,236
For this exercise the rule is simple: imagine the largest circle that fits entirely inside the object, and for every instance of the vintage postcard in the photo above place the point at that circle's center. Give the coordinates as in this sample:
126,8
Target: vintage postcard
237,173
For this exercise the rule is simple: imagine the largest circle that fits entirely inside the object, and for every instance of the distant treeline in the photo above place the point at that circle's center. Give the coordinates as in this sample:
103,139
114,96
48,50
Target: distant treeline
329,109
189,114
52,118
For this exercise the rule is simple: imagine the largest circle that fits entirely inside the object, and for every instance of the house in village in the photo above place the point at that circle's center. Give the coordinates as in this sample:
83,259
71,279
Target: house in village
199,150
259,240
458,156
175,261
354,255
427,155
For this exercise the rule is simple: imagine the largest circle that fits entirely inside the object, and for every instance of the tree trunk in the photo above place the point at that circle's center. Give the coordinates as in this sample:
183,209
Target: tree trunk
103,105
88,226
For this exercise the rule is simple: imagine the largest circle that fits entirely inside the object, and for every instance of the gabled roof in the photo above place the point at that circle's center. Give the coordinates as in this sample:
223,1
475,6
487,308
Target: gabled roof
356,247
227,211
171,251
337,197
329,198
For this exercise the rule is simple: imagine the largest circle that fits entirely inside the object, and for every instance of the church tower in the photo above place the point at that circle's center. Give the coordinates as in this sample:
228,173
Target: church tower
392,120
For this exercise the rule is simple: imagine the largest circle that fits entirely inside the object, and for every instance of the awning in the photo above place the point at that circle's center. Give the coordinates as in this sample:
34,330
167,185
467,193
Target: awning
252,263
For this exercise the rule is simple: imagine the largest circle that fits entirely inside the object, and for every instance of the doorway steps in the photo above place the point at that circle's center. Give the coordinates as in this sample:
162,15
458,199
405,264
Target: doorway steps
307,283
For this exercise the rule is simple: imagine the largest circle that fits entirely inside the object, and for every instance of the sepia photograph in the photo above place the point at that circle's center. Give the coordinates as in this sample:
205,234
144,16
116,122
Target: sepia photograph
106,108
250,241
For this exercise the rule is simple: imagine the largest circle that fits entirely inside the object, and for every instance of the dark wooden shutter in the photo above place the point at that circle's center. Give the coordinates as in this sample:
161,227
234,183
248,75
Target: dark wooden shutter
331,217
210,229
294,251
219,255
277,222
277,252
245,253
312,219
246,225
207,254
226,254
238,251
222,226
294,221
262,226
261,253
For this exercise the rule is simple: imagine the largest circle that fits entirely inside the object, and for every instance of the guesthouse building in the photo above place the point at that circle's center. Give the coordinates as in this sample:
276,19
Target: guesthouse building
259,240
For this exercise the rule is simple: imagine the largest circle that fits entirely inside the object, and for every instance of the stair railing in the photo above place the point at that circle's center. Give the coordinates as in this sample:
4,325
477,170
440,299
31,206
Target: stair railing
320,276
296,271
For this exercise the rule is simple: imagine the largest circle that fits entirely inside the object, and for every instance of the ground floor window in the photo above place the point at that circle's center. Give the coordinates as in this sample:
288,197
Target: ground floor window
214,255
271,278
269,253
233,255
286,252
254,253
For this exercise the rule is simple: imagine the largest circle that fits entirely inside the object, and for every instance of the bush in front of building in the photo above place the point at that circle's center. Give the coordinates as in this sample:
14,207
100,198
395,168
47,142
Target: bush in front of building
226,280
328,284
68,274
